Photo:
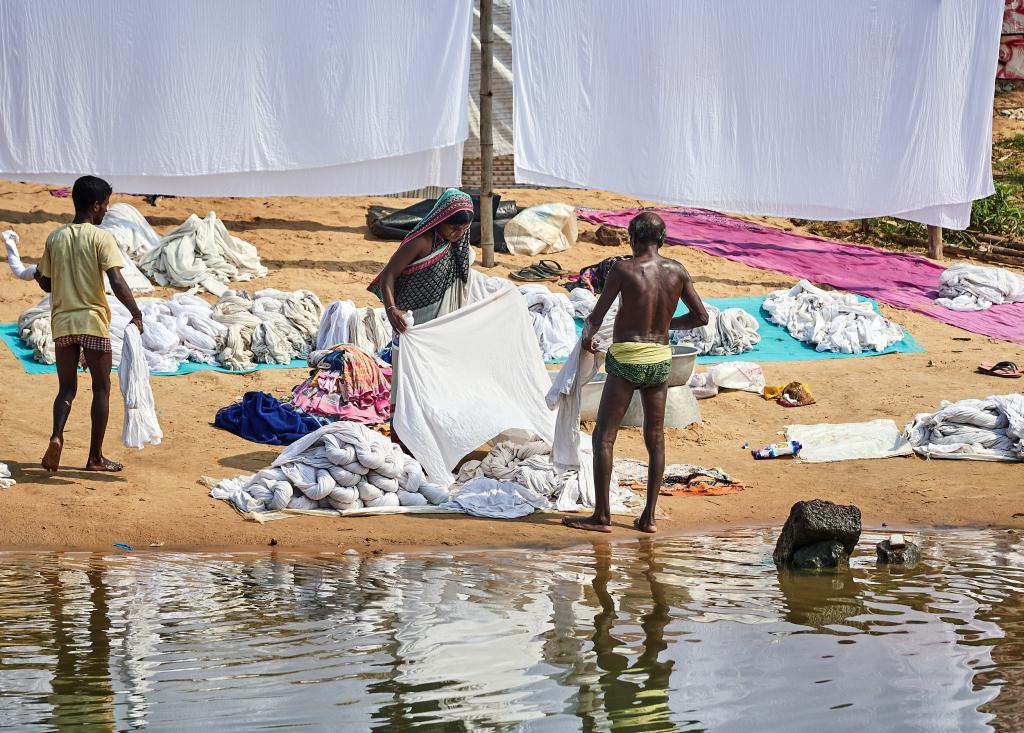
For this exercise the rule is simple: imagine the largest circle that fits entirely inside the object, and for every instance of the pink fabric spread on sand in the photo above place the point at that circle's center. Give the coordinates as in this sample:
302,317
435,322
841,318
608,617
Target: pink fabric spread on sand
901,280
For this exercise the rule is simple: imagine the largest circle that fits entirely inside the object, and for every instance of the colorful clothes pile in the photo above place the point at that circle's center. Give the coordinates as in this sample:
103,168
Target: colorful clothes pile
345,383
593,277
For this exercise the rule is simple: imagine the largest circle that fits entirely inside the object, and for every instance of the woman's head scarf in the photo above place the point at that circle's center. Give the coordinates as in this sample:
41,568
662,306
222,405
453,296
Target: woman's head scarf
451,202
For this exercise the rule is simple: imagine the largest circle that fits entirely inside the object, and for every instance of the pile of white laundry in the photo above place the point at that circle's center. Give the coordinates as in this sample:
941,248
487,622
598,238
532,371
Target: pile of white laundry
134,237
583,302
732,331
835,322
526,465
368,328
553,320
343,323
236,332
965,287
342,467
985,430
201,253
131,231
129,271
6,481
740,375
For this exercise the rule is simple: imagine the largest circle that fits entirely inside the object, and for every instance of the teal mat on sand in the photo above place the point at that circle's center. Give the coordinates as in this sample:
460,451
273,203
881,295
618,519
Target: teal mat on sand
23,353
776,343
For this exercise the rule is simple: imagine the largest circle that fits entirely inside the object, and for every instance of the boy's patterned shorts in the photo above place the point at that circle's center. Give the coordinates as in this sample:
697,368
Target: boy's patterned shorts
87,342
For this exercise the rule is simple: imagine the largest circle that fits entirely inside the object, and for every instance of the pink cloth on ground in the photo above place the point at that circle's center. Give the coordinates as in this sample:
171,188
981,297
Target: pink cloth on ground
901,280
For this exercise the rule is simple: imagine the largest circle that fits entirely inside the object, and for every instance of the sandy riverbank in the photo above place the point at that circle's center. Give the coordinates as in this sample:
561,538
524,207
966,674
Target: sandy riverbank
322,244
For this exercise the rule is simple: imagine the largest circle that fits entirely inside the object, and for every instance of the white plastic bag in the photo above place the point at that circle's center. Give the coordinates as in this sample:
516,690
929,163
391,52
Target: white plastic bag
543,229
744,375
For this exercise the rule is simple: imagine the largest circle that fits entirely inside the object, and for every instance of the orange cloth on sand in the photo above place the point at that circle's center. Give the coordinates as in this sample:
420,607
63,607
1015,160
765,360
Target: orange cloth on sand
696,487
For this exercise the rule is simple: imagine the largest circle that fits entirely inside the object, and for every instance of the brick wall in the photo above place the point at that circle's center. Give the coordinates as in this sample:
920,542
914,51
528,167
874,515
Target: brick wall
504,172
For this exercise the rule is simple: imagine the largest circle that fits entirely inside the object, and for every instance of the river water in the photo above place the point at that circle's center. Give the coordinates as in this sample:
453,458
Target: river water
691,633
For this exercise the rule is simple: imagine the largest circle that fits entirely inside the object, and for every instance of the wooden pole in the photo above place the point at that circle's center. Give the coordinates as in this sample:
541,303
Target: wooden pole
486,134
934,242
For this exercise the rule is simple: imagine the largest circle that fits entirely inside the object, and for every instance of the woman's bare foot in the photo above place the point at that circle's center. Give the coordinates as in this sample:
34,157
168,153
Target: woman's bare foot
644,523
590,524
51,459
103,465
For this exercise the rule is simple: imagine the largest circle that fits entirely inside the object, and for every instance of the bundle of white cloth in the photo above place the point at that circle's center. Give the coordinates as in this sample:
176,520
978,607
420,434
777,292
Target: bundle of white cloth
965,287
237,332
129,271
527,465
140,422
991,429
131,231
343,323
343,466
835,322
553,320
732,331
742,375
201,253
6,481
583,302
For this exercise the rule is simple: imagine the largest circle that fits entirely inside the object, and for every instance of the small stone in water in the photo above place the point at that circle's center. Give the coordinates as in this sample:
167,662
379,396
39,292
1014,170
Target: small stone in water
273,541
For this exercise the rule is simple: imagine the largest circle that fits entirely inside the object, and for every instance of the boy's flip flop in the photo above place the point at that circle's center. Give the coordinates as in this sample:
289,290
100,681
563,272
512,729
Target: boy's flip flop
532,275
1005,369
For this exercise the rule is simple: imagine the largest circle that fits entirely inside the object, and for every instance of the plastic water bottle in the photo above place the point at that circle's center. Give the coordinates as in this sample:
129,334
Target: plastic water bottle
789,448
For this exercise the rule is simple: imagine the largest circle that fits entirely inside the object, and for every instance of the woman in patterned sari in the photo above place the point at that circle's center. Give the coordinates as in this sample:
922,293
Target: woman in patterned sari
428,275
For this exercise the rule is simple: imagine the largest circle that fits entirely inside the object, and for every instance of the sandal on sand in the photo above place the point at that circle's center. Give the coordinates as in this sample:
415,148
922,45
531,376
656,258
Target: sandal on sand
533,275
549,266
1001,369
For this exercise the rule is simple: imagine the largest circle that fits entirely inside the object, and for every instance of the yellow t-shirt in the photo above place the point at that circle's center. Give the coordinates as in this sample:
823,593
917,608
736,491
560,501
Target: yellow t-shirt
75,259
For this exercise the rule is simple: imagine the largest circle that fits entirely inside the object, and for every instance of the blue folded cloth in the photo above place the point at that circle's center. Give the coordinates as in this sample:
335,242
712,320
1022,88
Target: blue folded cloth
262,418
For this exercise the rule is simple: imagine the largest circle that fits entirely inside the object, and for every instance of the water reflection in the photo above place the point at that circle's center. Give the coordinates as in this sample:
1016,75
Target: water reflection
694,633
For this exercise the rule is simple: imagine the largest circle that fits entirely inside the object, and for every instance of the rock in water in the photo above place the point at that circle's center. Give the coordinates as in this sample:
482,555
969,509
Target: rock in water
908,554
827,554
816,521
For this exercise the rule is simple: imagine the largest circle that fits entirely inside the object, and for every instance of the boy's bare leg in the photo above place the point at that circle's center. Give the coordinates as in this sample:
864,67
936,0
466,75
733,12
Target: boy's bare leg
614,402
653,401
67,387
99,368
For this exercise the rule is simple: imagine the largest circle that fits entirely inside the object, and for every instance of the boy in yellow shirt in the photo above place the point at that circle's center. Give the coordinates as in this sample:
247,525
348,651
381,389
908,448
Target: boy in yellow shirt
76,257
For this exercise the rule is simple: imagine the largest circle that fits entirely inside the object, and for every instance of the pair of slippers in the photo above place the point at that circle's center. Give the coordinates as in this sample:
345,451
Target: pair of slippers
1005,369
543,271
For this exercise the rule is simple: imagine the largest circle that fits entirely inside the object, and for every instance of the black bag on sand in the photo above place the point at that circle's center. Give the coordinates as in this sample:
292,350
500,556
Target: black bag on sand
394,224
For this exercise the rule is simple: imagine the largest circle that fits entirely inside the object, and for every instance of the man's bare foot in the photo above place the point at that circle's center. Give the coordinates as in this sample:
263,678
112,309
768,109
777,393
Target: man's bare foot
644,524
590,524
103,465
51,459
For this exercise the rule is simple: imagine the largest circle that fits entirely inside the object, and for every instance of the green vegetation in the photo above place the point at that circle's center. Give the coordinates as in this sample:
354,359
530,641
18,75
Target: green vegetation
1001,214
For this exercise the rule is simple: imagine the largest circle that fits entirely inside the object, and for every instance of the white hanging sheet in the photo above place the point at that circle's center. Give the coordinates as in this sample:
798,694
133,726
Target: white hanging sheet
236,98
465,378
807,109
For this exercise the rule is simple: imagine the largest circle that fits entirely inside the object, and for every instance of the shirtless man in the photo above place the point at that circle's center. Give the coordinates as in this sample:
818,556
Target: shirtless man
640,358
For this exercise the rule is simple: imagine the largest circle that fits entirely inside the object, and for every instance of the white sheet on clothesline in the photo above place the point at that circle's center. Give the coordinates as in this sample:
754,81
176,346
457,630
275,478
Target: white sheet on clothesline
235,98
808,109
